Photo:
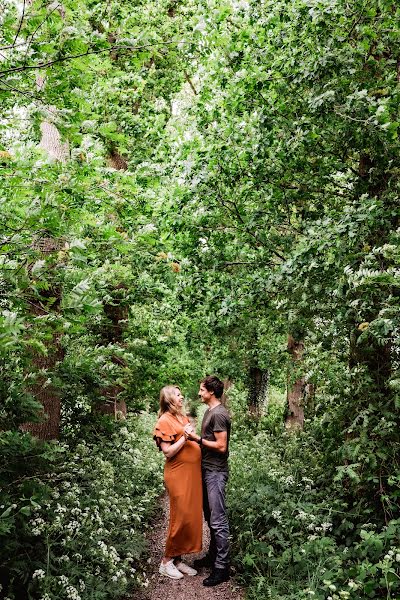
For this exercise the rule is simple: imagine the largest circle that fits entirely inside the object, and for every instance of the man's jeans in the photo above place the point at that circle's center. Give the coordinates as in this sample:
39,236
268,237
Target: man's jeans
214,483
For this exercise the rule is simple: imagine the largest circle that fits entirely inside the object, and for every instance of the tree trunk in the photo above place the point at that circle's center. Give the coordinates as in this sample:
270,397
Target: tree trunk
227,385
48,395
116,312
116,161
296,390
112,404
258,389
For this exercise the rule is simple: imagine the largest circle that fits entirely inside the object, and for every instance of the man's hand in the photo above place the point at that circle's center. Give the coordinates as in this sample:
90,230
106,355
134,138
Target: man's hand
192,435
220,444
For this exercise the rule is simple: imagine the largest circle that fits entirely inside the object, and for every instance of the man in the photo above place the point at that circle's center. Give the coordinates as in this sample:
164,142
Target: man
214,442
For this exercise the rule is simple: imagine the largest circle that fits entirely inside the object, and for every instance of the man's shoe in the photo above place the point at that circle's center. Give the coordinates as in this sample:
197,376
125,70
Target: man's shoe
217,576
170,570
184,568
204,562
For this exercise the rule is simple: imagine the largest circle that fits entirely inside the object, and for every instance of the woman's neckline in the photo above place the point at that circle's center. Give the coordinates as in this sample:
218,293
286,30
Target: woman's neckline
177,418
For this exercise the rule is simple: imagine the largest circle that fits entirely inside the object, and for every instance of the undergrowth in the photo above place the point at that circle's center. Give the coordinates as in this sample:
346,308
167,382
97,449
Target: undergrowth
297,533
72,528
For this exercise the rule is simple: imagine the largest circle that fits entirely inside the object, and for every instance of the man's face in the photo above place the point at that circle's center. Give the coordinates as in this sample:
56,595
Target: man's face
204,395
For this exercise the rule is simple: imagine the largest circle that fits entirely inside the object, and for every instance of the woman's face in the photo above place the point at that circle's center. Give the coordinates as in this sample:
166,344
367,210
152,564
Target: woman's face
178,398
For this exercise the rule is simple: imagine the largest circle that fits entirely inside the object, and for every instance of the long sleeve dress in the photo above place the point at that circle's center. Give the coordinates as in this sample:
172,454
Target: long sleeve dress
182,476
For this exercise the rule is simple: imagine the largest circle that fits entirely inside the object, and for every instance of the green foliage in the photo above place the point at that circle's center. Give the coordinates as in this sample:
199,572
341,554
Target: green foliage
74,523
228,173
295,535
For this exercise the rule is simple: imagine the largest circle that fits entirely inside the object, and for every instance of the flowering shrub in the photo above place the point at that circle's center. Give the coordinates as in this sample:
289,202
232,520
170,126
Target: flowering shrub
294,535
84,537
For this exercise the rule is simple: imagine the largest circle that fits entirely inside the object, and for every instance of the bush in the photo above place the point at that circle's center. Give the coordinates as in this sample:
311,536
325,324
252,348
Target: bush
294,534
80,533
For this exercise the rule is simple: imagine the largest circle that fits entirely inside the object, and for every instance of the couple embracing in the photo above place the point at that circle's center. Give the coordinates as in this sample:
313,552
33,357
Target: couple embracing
195,475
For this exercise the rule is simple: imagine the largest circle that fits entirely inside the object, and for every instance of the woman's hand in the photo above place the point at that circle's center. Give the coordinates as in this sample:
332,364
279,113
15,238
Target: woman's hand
191,434
188,430
171,449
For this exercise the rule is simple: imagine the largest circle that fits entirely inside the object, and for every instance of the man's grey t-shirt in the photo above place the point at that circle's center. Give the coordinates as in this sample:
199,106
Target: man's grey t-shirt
216,419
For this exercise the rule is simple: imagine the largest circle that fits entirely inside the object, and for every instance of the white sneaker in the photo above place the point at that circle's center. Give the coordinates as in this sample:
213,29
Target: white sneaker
184,568
170,570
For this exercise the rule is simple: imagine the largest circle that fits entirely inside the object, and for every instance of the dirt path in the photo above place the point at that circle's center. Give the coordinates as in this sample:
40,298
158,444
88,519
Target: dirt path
161,588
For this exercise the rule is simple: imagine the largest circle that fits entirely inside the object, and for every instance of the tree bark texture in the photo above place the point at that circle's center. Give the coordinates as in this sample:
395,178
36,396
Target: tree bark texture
116,161
295,391
51,141
258,389
116,312
227,384
47,394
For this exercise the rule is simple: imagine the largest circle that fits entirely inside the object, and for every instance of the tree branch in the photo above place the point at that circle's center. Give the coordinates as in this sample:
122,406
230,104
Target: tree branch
190,83
38,27
29,95
20,24
88,52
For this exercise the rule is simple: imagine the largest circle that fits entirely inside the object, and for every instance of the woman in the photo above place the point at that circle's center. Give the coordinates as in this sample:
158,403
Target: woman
182,476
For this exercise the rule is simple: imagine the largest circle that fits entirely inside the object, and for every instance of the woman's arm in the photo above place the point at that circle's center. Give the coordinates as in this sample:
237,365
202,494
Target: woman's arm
169,449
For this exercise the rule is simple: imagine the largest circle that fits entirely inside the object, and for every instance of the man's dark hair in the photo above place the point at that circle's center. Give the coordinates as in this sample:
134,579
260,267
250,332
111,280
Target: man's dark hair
213,384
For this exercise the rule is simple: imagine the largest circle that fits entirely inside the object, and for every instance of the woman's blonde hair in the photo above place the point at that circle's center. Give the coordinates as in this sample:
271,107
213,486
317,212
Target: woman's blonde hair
167,404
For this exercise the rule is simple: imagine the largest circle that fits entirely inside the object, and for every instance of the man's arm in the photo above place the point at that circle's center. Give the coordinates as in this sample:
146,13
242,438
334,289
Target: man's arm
220,444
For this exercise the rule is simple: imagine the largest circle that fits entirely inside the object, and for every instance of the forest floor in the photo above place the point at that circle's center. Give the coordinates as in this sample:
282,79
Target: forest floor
182,589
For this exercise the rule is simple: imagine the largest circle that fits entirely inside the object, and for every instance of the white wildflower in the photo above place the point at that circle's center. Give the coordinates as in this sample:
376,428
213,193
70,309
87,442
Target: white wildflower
201,26
72,593
148,228
39,574
303,516
289,480
277,515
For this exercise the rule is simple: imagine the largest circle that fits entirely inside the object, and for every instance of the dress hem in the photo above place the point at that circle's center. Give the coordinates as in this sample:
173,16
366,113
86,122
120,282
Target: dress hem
179,552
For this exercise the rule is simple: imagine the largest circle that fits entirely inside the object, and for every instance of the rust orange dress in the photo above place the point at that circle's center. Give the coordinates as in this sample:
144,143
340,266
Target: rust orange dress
182,476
